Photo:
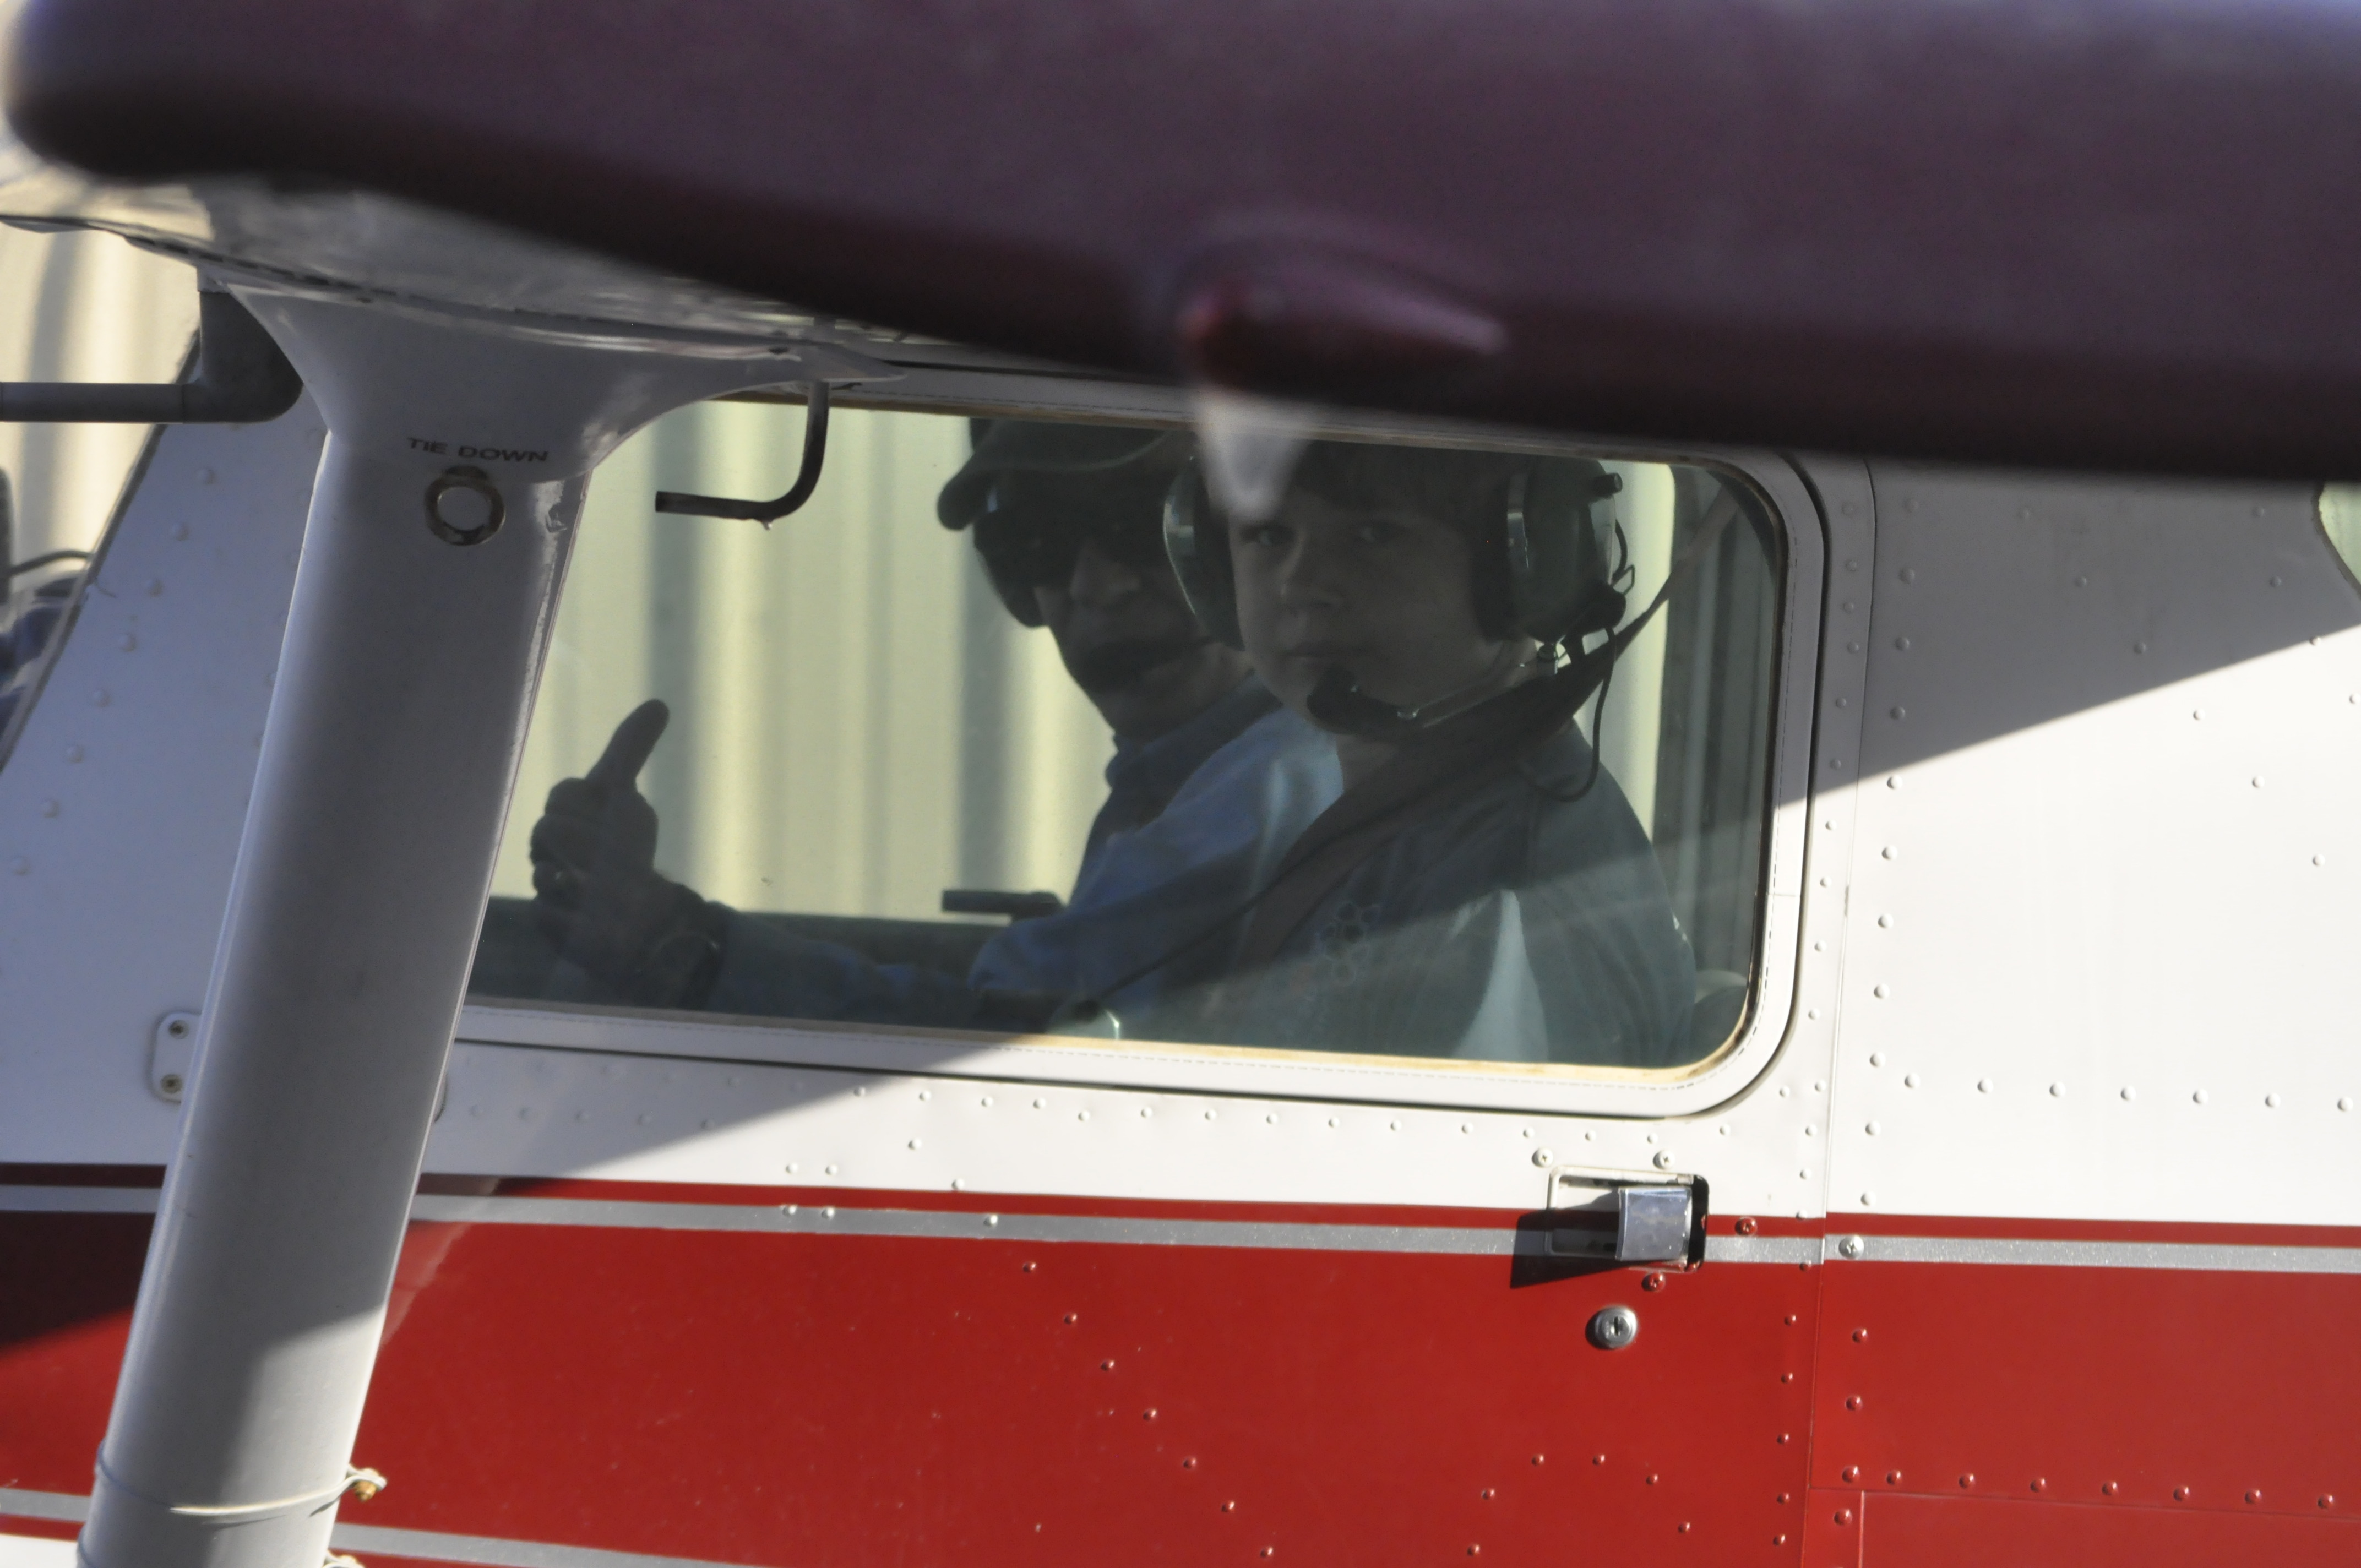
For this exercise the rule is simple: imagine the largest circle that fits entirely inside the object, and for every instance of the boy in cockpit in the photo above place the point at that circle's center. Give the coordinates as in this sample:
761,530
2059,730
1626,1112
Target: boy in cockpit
1481,889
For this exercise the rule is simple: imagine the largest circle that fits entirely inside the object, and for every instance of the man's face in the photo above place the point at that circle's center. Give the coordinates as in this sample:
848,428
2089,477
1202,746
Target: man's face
1126,632
1384,594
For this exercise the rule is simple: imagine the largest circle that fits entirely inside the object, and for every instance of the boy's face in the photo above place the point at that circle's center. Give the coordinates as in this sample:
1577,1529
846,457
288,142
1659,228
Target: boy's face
1383,592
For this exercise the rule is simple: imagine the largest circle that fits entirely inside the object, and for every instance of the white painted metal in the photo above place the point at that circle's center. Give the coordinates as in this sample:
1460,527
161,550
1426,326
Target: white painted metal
2104,905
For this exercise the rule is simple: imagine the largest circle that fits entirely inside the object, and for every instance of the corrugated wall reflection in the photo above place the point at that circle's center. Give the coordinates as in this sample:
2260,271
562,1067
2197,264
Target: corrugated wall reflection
856,723
82,307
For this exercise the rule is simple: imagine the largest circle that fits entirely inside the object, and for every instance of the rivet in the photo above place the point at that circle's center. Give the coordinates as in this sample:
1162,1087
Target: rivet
1902,643
914,1143
1889,851
1041,1105
1909,1081
49,808
1538,1458
1391,1126
1852,1472
2344,1103
1852,647
1783,1437
992,1219
985,1101
2271,1100
1877,1058
1082,1115
1746,1226
1148,1414
2109,1488
1542,1157
1787,1377
1229,1508
1665,1159
1880,990
1969,1479
2258,781
1685,1527
1898,711
1850,607
1147,1110
1860,1337
829,1171
1844,1515
1599,1459
2039,1484
1031,1266
155,587
1653,1282
860,1092
1652,1480
2180,1494
2197,1096
1486,1494
2129,1093
1894,1477
1844,702
1107,1366
1853,1402
100,697
1188,1465
1852,1246
1868,1199
1466,1126
2275,582
1871,1128
2057,1091
2327,1499
1907,575
2082,582
2319,859
1893,781
2255,1495
2139,647
829,1213
1072,1317
1331,1122
1886,922
73,753
1791,1320
925,1094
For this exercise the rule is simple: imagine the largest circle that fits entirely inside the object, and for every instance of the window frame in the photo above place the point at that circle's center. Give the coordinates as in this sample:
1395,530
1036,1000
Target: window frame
946,380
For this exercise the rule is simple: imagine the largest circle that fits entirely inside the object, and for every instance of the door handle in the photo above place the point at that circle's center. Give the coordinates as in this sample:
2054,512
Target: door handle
1629,1216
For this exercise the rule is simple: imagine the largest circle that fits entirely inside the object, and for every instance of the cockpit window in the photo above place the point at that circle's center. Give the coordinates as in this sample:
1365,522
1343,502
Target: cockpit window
1023,727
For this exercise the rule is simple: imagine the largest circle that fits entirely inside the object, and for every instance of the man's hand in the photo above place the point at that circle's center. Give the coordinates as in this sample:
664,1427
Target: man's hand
595,883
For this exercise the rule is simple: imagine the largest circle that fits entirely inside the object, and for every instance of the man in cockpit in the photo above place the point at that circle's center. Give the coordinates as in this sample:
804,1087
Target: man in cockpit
1211,780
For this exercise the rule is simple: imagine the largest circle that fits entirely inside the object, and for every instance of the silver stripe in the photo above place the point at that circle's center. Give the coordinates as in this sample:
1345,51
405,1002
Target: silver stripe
494,1551
79,1200
487,1550
1762,1249
44,1504
823,1220
2095,1255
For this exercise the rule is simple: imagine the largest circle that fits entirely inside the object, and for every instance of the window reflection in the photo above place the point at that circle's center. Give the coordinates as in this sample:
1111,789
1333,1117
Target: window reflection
1427,762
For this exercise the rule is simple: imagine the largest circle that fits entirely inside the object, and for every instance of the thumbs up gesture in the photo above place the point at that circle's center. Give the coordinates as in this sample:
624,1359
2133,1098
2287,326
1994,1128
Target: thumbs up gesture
596,887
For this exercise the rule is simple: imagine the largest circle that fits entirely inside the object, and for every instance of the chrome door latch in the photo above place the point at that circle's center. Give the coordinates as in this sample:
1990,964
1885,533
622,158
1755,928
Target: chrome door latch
1629,1216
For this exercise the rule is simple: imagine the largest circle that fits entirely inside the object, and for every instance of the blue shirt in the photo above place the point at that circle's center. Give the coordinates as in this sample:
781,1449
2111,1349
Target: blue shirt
1194,822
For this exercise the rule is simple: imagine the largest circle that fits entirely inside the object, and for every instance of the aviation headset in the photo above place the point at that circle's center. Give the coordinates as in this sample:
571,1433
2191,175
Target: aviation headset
1548,555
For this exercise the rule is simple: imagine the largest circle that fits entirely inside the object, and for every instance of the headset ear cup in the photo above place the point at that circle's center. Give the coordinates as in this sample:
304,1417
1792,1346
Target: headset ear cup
1560,561
1199,547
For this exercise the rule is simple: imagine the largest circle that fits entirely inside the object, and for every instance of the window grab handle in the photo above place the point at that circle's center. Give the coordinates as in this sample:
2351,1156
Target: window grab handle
681,504
241,378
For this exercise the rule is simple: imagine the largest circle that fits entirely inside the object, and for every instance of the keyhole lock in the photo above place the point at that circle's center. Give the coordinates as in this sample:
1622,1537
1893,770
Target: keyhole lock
1612,1328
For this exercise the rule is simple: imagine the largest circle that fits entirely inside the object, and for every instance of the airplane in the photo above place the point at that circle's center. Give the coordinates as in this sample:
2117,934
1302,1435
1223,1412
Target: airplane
1967,389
